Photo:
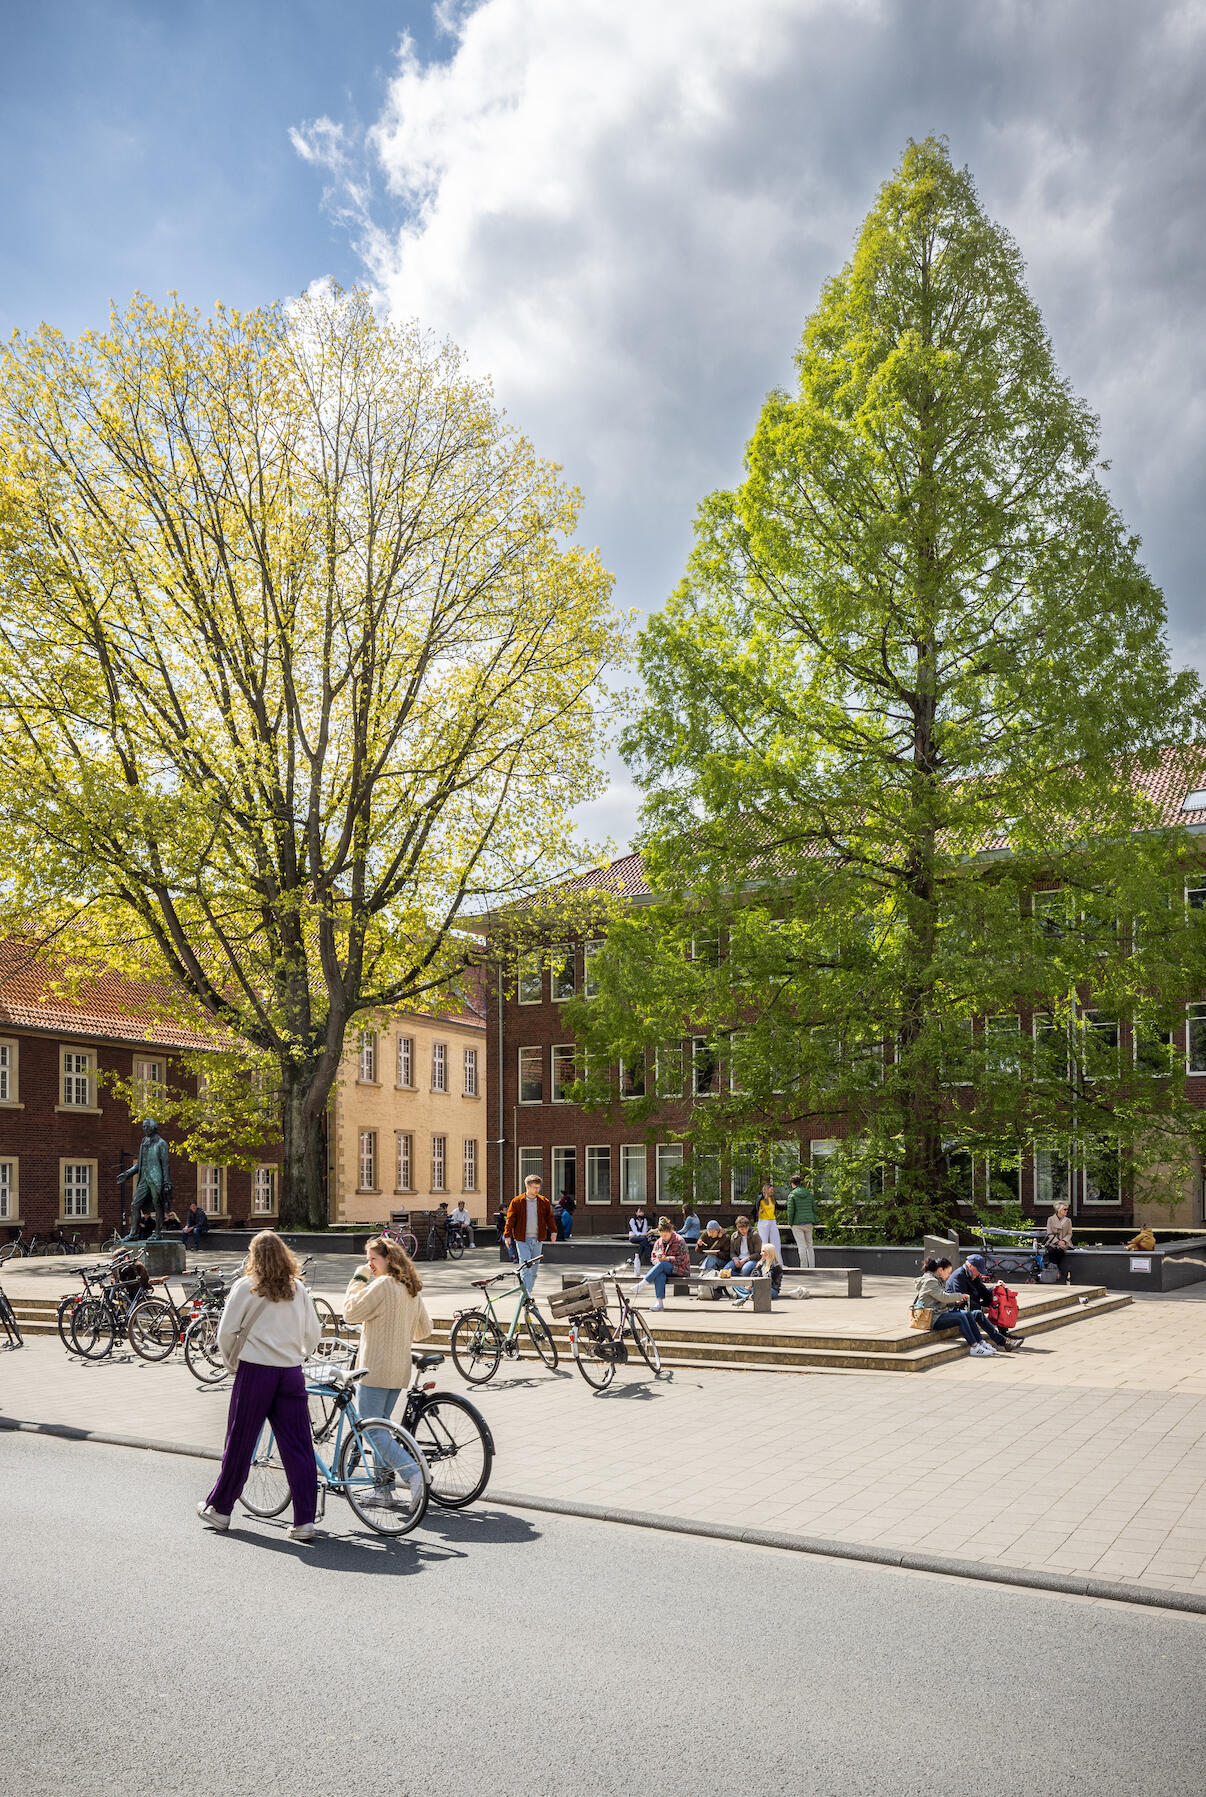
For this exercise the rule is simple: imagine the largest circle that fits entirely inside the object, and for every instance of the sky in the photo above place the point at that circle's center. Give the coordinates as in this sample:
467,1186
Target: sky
623,210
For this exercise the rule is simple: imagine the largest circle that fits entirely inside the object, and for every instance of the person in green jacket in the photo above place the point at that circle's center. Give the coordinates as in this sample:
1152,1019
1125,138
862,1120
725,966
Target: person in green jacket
801,1215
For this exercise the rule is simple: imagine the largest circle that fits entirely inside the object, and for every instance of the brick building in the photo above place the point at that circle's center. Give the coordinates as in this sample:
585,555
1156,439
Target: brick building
63,1136
611,1167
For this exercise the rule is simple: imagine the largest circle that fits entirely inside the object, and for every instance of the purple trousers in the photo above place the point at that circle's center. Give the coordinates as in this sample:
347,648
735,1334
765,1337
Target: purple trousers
276,1395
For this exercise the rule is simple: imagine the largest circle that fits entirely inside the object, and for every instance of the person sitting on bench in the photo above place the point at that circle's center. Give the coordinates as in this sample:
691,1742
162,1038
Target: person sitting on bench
745,1251
671,1260
638,1238
716,1249
1059,1238
968,1282
770,1266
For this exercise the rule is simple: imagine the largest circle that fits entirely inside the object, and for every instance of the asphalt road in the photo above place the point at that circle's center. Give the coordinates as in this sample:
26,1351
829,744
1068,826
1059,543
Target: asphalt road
511,1653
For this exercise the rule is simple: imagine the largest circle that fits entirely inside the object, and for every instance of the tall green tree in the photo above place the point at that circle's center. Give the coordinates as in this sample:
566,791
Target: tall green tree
915,670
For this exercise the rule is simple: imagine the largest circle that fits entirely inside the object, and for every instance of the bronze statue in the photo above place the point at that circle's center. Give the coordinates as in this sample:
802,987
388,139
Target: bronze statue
154,1184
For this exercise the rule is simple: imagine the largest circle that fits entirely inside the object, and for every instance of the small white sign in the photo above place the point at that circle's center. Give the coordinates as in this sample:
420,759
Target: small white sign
1141,1263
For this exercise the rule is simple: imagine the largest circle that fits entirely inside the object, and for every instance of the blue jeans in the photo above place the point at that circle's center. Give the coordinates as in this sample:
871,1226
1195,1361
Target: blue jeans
659,1276
379,1400
965,1321
741,1266
567,1225
528,1251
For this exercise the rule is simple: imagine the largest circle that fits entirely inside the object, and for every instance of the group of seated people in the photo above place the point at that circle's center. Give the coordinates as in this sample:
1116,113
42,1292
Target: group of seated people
959,1298
748,1250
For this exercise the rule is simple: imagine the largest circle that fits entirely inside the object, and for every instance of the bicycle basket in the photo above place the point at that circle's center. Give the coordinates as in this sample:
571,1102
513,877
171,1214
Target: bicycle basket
576,1300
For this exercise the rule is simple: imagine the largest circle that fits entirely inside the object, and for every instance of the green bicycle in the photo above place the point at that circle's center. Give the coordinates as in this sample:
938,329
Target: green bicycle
477,1342
361,1468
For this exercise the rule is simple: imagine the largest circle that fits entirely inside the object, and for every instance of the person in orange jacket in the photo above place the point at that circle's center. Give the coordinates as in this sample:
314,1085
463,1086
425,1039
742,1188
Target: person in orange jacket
528,1226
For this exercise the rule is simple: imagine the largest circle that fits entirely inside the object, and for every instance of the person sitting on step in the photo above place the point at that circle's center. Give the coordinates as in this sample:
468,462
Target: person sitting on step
968,1282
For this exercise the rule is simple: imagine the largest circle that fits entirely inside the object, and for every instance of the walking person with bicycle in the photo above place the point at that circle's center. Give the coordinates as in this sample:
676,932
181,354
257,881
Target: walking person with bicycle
384,1298
269,1328
529,1223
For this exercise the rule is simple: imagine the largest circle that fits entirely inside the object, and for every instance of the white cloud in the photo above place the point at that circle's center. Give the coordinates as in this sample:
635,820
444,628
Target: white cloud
624,209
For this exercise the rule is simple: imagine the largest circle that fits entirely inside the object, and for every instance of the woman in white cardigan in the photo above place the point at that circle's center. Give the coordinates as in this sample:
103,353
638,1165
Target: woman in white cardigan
384,1298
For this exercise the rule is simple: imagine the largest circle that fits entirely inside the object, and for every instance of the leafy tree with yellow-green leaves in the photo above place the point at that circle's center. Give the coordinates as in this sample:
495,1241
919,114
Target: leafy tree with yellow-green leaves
298,668
916,671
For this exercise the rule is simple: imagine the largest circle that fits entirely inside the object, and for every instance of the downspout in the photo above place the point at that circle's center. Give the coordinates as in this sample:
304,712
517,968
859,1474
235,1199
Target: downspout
502,1139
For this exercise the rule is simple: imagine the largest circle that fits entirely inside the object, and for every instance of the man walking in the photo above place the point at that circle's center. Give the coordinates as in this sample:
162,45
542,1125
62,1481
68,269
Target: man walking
529,1224
801,1216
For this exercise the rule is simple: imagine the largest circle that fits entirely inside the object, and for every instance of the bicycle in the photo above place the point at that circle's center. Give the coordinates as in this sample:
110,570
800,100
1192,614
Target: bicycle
92,1278
598,1348
101,1317
9,1323
201,1355
359,1468
477,1342
405,1237
453,1434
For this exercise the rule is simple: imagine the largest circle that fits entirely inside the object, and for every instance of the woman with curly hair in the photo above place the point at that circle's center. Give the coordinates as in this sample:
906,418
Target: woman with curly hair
384,1298
268,1328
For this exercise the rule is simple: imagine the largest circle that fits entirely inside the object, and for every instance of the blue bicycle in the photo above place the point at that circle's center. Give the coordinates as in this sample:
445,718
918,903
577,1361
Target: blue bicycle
376,1465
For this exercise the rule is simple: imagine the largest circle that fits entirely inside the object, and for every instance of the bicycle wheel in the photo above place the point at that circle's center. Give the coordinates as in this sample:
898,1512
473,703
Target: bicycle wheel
586,1341
456,1244
92,1329
327,1317
458,1449
541,1338
201,1354
476,1344
384,1495
9,1318
63,1316
409,1242
152,1330
642,1335
323,1412
436,1245
267,1489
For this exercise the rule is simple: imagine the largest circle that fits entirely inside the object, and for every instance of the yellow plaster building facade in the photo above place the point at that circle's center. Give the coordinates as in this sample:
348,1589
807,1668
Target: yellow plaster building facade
408,1119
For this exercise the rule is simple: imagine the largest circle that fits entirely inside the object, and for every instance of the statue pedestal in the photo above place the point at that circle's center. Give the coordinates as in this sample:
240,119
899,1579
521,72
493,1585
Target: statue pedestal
162,1258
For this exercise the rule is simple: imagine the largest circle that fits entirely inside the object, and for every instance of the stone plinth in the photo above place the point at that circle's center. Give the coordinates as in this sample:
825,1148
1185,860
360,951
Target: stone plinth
161,1258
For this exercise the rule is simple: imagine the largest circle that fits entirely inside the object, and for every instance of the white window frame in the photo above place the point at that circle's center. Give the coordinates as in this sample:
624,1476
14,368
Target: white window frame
149,1076
367,1161
563,1158
69,1093
590,984
439,1066
1195,1014
986,1165
211,1191
632,1154
564,956
10,1189
263,1191
820,1150
1082,1180
643,1065
700,1048
531,1048
10,1069
1165,1040
529,980
70,1168
1100,1022
469,1164
530,1162
1001,1025
1195,896
406,1063
598,1154
669,1154
470,1072
667,1067
404,1161
439,1163
743,1157
367,1075
561,1053
1052,1151
705,1165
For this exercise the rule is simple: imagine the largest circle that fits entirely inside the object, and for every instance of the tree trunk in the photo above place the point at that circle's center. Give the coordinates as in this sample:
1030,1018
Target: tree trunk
303,1197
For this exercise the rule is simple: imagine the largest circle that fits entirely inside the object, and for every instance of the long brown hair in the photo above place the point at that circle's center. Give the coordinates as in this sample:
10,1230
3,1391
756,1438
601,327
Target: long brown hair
401,1266
272,1267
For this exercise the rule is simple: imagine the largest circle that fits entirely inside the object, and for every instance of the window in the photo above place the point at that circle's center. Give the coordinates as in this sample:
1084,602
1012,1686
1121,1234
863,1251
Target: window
439,1163
598,1175
211,1190
404,1180
632,1173
1050,1047
743,1174
563,1072
8,1072
1002,1043
703,1069
705,950
406,1061
439,1066
1195,1039
738,1064
1195,800
1102,1170
820,1154
668,1071
590,979
531,1076
79,1178
1052,1178
263,1192
1003,1181
705,1181
8,1191
77,1079
1050,911
961,1172
471,1073
632,1077
530,985
563,976
368,1160
368,1057
531,1162
1100,1043
670,1187
469,1165
785,1160
1152,1049
1195,897
565,1173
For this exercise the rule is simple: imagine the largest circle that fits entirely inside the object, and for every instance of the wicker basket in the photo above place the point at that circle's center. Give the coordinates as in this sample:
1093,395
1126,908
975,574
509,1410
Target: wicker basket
576,1300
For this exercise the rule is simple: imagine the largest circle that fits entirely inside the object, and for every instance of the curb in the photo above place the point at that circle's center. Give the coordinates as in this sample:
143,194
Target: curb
819,1546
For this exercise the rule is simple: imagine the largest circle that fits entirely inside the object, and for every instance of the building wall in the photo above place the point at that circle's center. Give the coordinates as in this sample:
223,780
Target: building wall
40,1136
386,1108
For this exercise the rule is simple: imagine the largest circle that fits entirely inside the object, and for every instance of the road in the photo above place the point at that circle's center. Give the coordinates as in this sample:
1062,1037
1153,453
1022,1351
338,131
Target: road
516,1653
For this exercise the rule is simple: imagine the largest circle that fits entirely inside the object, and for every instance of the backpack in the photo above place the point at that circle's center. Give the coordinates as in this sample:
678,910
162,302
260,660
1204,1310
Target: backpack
1003,1311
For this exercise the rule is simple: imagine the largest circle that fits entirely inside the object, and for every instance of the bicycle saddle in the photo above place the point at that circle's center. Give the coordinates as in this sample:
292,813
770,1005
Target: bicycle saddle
483,1283
425,1362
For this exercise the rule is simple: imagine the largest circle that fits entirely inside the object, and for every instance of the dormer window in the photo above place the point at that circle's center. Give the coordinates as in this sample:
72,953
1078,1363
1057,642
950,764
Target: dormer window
1195,800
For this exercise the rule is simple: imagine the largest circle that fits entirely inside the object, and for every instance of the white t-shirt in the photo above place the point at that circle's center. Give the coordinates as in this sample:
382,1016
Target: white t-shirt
459,1215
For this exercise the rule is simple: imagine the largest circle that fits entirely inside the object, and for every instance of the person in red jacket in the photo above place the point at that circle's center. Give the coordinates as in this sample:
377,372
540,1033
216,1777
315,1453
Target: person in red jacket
528,1226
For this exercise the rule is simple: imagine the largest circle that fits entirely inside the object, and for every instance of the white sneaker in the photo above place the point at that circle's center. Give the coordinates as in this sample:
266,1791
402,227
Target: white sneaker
981,1348
801,1291
636,1290
305,1532
657,1305
213,1519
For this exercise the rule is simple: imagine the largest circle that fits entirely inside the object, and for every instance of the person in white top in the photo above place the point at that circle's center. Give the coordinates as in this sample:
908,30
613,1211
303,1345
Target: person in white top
268,1328
460,1216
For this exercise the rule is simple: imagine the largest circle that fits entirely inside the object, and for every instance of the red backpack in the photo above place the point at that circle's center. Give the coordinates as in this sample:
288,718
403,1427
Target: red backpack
1003,1311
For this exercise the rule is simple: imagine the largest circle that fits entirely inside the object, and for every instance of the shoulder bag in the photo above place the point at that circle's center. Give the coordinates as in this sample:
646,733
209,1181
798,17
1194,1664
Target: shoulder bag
238,1340
921,1317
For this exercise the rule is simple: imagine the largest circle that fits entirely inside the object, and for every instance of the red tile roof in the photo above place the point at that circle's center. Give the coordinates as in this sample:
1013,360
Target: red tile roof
78,996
